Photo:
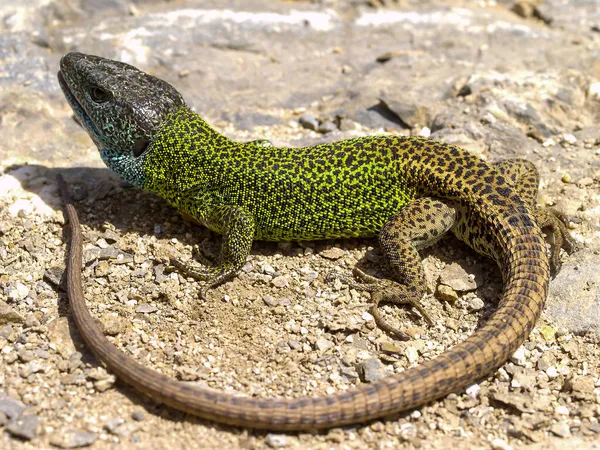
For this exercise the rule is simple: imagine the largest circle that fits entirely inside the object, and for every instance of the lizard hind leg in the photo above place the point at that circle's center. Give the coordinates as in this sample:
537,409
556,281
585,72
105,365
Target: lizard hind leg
416,226
555,221
523,175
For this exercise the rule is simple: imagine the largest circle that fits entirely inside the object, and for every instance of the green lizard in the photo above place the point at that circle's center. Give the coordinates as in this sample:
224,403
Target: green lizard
408,191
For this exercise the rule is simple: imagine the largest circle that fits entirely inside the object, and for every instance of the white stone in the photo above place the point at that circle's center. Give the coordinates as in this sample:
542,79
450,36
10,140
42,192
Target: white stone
519,357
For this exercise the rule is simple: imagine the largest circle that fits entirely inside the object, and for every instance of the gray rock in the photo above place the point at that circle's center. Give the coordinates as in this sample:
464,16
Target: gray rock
138,415
327,126
270,300
73,439
112,424
371,370
146,308
53,275
377,116
12,408
323,344
589,134
281,281
24,427
514,400
31,368
561,429
411,114
573,298
528,115
114,255
25,355
457,278
248,120
9,315
332,253
349,373
476,304
309,121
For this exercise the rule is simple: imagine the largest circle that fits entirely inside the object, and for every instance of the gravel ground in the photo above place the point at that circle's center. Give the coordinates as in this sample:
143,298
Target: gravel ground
503,79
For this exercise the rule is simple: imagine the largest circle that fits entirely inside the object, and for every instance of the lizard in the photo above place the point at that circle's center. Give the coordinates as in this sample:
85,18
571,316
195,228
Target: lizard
406,191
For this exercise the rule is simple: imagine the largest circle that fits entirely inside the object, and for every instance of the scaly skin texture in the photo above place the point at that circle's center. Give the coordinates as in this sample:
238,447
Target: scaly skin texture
408,191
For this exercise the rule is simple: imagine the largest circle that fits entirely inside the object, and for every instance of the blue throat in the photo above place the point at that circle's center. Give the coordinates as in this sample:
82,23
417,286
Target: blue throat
127,166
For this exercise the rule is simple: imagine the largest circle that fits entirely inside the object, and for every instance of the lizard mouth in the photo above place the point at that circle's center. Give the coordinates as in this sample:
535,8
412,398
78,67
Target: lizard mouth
77,108
82,117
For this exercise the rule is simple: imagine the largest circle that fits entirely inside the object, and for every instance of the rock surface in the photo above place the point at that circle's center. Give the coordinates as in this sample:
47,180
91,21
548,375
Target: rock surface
504,79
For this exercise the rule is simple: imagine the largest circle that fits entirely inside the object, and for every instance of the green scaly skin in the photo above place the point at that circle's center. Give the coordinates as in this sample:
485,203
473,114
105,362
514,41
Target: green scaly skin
408,191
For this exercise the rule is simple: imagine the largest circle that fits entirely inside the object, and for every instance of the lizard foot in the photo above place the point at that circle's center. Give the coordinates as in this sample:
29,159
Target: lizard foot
556,222
211,274
204,255
383,290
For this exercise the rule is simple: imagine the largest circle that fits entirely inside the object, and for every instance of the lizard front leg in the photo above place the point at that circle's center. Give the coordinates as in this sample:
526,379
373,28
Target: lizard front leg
237,226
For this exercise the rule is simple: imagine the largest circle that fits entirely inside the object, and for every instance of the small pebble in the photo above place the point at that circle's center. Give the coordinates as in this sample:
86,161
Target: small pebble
73,439
276,440
452,323
561,429
104,385
309,121
281,281
25,427
11,408
349,373
388,347
327,127
323,344
146,308
519,357
9,315
367,317
138,415
446,293
112,424
500,444
268,269
552,372
411,354
473,390
594,90
372,370
333,253
269,300
476,304
454,276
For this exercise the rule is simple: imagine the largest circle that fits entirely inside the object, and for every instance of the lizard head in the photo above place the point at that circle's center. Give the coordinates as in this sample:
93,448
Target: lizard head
120,107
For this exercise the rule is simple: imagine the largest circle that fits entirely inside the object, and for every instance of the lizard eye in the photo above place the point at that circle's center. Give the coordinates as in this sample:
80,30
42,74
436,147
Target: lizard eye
99,95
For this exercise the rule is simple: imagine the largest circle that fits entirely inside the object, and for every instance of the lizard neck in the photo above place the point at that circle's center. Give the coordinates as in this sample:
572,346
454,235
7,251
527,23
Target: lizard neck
173,155
184,154
129,167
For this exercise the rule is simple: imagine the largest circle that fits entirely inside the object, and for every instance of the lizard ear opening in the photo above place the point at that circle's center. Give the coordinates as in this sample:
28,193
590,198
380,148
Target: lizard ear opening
140,147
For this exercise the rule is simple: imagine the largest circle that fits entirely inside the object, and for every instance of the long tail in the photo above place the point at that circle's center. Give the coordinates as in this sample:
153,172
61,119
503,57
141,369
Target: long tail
527,273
